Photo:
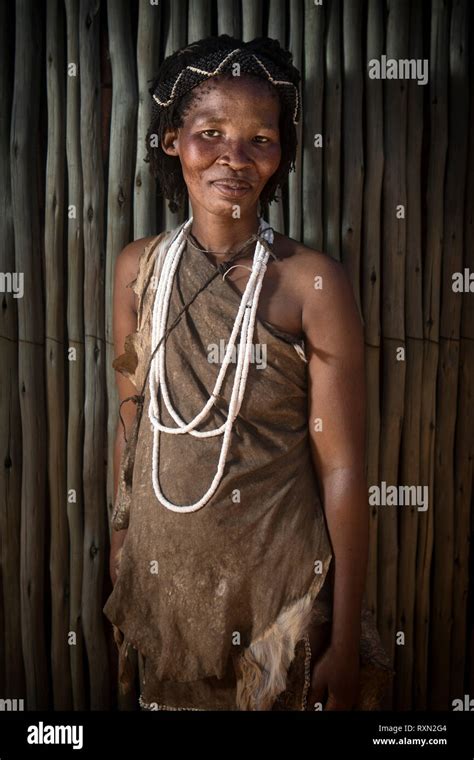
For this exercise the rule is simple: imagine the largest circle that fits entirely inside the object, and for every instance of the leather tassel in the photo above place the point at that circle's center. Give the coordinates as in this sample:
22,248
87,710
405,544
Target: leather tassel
126,670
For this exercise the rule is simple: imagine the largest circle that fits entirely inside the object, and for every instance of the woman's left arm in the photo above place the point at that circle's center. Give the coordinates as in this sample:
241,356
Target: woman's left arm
336,417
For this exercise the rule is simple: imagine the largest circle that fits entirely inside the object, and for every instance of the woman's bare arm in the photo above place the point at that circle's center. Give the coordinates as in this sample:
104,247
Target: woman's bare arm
124,322
336,379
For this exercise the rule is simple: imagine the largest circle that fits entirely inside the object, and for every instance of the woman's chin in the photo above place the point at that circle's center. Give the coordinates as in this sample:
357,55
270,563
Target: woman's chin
228,207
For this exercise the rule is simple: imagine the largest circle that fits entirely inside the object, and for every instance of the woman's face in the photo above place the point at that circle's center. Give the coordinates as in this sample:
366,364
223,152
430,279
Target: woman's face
229,146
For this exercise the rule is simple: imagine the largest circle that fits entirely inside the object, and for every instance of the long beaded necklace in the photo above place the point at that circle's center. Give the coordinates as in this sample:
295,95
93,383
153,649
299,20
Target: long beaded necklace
244,321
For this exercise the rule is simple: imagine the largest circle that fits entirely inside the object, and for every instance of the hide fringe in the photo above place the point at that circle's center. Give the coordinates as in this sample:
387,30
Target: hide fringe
263,666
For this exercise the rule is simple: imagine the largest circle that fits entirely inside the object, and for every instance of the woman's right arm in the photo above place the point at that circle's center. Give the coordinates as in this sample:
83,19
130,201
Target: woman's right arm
124,322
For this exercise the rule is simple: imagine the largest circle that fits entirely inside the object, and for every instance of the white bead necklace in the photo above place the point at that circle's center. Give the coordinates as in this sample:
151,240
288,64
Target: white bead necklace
244,320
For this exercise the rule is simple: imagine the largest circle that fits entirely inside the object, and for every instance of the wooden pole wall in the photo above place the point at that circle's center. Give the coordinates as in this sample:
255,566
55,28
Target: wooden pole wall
175,24
75,328
353,168
438,85
295,44
332,110
448,367
147,54
388,191
276,30
464,444
410,442
55,351
371,275
94,474
394,211
120,183
312,125
29,51
12,680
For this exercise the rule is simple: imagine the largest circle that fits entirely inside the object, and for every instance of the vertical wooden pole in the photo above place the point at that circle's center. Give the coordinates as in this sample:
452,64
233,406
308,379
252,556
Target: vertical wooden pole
95,512
147,61
332,135
176,30
393,319
438,84
371,274
353,154
120,186
252,19
295,180
410,445
55,355
464,443
199,19
229,18
13,676
448,367
75,326
31,365
314,107
276,31
199,26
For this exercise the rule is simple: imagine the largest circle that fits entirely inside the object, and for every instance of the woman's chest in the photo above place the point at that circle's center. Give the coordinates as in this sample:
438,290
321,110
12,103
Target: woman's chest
280,301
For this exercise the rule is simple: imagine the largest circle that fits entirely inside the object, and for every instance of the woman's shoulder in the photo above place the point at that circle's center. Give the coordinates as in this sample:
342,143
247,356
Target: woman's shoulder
299,254
309,268
134,267
130,255
320,283
136,261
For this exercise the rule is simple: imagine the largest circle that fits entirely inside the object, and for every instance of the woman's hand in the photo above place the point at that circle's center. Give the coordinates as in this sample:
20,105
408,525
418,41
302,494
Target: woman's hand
335,675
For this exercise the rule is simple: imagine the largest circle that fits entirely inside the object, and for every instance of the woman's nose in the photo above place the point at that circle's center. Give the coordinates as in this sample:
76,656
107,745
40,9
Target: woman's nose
236,154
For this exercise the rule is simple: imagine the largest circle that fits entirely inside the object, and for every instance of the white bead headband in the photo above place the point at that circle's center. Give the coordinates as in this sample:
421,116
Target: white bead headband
191,76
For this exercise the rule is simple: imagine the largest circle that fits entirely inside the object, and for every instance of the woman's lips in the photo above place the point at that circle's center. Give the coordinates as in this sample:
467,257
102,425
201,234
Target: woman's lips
232,189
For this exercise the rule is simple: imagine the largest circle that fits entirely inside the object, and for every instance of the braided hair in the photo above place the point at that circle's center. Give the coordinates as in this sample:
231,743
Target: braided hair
262,56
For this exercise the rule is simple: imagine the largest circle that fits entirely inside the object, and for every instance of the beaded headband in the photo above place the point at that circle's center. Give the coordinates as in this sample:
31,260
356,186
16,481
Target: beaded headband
220,62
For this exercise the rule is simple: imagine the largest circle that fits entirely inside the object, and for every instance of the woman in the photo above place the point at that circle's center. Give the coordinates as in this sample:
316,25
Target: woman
243,551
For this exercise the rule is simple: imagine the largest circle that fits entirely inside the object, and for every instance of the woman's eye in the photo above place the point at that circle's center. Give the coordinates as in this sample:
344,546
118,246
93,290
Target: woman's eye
259,138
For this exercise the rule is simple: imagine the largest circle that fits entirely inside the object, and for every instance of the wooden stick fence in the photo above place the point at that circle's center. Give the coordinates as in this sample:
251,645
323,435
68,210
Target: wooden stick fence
383,182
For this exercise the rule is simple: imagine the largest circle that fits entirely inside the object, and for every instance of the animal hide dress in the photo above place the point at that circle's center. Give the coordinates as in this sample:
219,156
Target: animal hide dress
218,602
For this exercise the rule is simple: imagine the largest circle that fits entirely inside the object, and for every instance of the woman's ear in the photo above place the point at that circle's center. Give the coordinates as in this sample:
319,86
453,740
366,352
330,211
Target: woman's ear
168,142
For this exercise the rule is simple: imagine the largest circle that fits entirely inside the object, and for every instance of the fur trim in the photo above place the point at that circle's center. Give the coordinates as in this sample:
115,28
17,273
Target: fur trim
263,666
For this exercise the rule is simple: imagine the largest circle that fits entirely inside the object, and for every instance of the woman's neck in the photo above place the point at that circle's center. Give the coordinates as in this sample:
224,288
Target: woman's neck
223,235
